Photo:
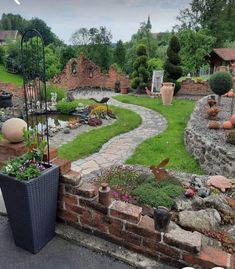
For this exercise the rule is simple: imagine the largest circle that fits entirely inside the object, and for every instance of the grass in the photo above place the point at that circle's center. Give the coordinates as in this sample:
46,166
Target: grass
90,142
10,78
169,143
133,186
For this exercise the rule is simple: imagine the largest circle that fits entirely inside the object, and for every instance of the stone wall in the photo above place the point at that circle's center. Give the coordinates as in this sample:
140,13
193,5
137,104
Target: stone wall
190,87
214,156
82,72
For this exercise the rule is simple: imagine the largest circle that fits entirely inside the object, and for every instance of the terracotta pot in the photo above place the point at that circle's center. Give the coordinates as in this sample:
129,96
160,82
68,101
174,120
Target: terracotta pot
124,90
167,92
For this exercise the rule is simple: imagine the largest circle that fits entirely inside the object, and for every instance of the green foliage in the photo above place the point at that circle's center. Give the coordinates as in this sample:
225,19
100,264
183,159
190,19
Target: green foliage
194,46
172,67
160,193
204,15
141,75
66,53
89,142
13,57
52,63
66,107
119,54
53,88
2,54
154,64
169,143
221,82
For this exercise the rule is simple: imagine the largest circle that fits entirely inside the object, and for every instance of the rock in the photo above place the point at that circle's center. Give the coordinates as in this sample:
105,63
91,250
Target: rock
231,232
189,241
66,130
203,192
182,204
219,202
220,182
196,182
205,219
198,203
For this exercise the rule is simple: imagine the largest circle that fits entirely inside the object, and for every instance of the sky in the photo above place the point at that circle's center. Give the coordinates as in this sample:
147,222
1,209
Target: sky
122,17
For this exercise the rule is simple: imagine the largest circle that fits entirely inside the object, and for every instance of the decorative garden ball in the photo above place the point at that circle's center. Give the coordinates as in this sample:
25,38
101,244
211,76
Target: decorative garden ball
12,130
189,193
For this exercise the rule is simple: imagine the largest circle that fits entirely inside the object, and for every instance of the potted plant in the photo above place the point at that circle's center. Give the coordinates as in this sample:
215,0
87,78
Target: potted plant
29,187
5,99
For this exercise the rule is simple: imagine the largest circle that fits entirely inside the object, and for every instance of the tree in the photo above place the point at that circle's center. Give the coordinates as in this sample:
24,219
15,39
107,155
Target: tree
194,46
140,76
95,44
120,54
66,53
204,14
154,64
2,54
172,67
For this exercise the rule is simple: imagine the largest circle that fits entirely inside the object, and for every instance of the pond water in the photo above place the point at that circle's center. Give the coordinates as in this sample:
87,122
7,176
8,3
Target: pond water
54,120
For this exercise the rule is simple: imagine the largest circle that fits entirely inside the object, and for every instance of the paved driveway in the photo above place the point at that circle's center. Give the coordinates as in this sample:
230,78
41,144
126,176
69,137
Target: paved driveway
58,254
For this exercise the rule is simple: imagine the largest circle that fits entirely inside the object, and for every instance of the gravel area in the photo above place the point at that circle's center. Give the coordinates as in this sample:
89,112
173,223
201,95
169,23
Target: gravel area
201,123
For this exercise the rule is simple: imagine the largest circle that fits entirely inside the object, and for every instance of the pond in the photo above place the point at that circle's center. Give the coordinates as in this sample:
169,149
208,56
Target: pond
54,120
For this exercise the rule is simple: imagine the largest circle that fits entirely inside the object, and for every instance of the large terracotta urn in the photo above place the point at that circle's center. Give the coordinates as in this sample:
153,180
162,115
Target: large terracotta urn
12,130
167,92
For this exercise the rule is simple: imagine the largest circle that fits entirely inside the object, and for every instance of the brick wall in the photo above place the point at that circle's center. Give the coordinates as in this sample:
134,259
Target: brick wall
16,91
124,224
88,74
190,87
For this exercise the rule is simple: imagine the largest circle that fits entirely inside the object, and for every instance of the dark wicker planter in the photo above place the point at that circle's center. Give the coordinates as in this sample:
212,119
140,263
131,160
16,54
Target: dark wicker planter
31,208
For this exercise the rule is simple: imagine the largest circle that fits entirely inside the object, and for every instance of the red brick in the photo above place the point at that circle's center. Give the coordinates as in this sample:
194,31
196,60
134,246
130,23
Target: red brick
70,199
93,204
144,228
72,177
172,262
87,190
12,149
64,165
162,248
67,216
75,209
126,211
209,257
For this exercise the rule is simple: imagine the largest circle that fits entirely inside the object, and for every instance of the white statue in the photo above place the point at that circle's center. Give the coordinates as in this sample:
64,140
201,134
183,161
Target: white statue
53,98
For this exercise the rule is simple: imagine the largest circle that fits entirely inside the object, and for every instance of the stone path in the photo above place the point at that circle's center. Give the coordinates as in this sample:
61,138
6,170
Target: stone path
118,149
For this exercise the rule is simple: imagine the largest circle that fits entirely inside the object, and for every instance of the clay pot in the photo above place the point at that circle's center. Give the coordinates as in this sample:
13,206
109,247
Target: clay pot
232,119
167,92
213,125
124,90
227,125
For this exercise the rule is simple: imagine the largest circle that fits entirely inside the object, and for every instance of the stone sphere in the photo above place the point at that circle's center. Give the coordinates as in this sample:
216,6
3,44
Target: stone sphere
12,130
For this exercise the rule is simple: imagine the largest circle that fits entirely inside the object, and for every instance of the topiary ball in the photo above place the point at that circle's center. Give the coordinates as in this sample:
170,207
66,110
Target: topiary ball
221,82
12,130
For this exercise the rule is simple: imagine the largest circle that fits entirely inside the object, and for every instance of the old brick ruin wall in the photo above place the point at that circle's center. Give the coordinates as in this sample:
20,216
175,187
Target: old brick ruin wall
82,72
190,87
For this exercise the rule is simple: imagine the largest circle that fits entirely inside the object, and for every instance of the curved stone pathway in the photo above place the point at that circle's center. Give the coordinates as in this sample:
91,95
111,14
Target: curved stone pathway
121,147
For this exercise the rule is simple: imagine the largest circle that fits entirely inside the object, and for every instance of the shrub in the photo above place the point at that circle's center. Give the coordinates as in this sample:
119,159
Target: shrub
221,82
99,110
53,88
66,107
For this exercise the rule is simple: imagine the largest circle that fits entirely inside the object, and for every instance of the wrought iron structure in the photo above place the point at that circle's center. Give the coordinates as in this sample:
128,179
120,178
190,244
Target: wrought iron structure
33,69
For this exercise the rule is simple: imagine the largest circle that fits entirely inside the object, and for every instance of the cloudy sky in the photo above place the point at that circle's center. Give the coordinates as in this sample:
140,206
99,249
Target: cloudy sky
122,17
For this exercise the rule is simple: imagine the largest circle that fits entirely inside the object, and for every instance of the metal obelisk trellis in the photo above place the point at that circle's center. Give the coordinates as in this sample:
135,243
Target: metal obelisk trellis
33,69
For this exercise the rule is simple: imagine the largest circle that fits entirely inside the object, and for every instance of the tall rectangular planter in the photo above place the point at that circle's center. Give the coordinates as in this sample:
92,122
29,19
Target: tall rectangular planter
31,208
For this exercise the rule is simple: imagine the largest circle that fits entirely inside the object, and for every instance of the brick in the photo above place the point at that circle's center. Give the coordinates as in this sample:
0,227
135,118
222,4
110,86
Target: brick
72,177
69,199
75,209
172,262
87,190
116,227
61,189
93,204
67,216
12,149
64,165
209,257
144,228
126,211
162,248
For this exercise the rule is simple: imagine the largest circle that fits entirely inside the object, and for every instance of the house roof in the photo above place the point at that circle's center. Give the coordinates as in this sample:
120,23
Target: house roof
4,35
227,54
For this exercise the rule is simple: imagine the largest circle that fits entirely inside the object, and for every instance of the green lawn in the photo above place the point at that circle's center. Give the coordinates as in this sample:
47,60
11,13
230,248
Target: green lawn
169,143
10,78
91,142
